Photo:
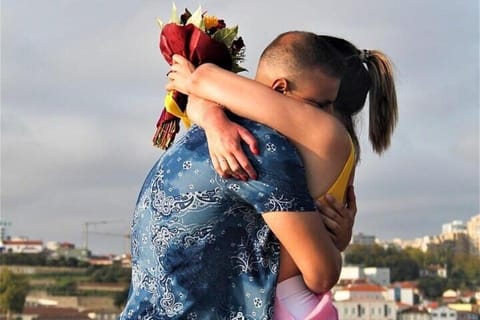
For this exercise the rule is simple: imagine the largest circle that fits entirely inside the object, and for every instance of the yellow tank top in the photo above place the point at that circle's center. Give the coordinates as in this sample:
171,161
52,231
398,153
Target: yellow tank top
339,187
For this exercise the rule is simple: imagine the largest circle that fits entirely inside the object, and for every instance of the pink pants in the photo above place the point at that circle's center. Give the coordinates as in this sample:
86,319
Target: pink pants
325,310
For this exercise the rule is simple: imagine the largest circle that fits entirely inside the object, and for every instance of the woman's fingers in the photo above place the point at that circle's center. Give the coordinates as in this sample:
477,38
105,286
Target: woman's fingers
331,213
217,165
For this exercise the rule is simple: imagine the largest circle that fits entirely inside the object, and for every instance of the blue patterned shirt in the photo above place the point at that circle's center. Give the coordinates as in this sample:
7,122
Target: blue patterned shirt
200,248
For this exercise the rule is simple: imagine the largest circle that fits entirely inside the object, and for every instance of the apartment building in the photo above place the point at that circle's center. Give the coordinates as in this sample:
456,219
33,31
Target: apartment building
364,301
22,245
473,231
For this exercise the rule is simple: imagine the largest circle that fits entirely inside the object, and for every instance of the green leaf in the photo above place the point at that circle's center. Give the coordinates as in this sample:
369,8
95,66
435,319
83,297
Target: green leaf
226,35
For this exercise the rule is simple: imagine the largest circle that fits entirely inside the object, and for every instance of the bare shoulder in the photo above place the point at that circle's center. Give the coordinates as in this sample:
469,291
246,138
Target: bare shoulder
331,138
325,152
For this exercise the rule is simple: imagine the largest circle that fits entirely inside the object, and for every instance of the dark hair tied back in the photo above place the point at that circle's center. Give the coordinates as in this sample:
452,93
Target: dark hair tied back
366,71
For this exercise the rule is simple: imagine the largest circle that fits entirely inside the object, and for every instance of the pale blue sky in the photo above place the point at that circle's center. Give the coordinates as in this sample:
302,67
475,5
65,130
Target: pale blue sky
83,83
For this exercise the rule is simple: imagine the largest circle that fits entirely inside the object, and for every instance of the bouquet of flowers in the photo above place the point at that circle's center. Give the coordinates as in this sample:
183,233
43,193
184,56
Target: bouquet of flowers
200,38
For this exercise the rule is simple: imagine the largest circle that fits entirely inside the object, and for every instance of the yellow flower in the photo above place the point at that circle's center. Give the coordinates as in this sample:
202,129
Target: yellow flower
210,22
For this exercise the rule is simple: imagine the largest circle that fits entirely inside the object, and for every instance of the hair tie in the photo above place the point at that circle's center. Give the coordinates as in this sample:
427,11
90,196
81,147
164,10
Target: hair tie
364,55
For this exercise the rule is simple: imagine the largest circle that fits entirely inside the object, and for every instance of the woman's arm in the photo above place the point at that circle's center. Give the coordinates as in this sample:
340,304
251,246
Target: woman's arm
339,218
310,246
253,100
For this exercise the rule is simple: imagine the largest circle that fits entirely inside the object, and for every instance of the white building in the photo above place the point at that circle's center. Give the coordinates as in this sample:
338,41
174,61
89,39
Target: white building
376,275
22,245
405,292
421,243
473,230
443,313
364,302
456,226
379,276
363,239
414,313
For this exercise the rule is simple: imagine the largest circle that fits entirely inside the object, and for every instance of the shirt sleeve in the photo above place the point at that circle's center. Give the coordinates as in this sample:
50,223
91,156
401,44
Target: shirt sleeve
281,183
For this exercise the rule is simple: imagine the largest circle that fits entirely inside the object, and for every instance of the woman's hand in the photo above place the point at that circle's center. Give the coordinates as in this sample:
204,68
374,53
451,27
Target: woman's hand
339,218
224,139
179,74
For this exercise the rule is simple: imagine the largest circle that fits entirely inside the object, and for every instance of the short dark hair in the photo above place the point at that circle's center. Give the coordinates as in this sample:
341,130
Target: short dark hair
297,51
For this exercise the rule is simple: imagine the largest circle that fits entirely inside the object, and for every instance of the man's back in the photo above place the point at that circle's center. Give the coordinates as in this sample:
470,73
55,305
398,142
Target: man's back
200,248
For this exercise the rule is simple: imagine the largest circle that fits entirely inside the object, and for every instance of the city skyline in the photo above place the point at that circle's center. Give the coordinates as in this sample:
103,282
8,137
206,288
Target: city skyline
89,244
83,84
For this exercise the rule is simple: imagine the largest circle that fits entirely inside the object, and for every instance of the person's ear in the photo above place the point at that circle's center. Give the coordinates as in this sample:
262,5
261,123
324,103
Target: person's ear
280,85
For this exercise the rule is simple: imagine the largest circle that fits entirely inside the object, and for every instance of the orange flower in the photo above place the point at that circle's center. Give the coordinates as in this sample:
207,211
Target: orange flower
210,22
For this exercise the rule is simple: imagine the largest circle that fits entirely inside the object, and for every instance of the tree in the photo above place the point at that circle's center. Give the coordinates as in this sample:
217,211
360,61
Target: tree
13,291
120,298
432,287
402,265
113,273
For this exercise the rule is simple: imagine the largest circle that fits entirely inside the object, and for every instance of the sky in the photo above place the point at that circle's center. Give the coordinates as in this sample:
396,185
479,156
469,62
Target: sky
82,86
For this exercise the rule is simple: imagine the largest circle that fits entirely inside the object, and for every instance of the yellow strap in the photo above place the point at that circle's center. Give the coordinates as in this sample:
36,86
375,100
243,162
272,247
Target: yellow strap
173,108
340,185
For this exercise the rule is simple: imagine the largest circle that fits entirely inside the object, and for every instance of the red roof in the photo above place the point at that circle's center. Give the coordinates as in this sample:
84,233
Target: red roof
67,245
364,287
54,313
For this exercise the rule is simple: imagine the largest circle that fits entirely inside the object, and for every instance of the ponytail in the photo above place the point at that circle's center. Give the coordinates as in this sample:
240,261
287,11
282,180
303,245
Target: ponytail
366,72
383,113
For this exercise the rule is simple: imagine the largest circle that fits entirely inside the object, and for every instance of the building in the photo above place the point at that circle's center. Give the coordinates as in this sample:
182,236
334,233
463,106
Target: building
51,313
443,313
455,242
456,226
418,243
465,310
363,239
473,231
364,301
380,276
22,245
414,313
405,292
434,270
101,260
450,296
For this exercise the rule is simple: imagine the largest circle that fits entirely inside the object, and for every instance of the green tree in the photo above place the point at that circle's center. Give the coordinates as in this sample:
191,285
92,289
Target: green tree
432,287
402,265
113,273
13,291
120,298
